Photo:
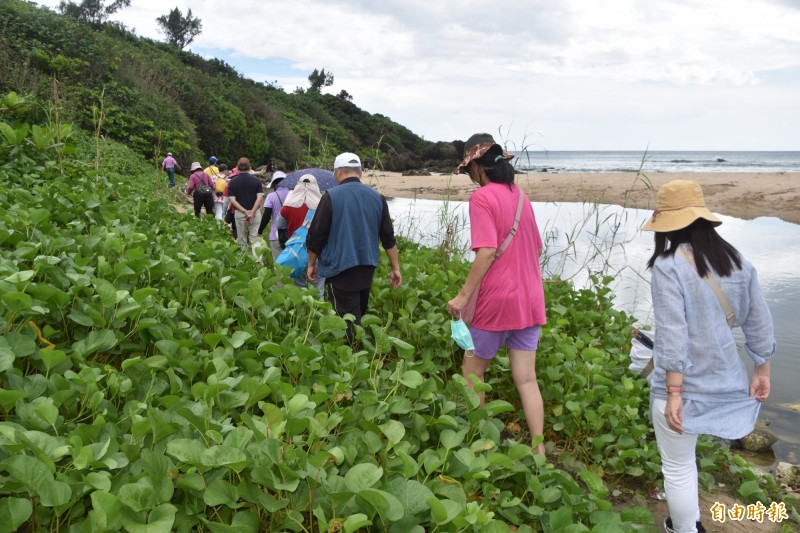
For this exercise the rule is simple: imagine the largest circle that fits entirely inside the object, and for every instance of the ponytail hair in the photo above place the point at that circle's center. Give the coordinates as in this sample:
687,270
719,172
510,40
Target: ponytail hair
496,166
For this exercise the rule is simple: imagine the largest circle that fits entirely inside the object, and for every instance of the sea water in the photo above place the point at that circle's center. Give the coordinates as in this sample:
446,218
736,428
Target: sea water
583,239
656,161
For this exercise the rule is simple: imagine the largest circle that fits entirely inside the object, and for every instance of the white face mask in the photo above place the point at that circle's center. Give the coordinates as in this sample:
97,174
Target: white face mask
460,333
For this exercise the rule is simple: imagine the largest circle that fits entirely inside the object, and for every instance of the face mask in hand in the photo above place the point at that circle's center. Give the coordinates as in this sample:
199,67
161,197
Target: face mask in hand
460,333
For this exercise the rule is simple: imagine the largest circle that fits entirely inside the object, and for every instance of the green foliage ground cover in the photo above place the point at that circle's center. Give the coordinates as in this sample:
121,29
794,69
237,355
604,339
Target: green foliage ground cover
154,378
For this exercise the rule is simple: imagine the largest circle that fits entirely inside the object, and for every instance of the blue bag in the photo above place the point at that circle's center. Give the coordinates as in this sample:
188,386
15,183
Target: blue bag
295,254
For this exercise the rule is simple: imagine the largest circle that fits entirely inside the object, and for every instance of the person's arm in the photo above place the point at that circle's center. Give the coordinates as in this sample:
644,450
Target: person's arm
386,231
236,205
760,384
484,257
250,213
671,345
674,409
256,207
318,233
265,218
759,337
311,267
395,278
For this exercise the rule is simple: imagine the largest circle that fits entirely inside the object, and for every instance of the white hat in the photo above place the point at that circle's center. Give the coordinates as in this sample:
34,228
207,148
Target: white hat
277,175
347,160
196,166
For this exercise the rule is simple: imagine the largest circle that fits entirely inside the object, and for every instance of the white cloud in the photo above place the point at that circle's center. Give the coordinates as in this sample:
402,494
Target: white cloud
603,74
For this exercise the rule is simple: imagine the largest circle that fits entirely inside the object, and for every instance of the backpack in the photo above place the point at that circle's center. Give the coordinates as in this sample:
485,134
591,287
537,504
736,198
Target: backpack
219,185
204,189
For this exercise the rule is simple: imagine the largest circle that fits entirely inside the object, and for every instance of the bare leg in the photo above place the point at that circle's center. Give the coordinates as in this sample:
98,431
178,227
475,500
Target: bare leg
475,365
523,369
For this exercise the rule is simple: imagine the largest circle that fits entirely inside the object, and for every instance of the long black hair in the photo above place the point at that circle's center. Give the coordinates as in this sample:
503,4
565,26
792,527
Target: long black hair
498,169
708,248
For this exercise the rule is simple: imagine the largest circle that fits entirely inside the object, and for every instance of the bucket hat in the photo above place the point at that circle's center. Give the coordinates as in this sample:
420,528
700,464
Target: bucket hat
680,202
475,147
196,166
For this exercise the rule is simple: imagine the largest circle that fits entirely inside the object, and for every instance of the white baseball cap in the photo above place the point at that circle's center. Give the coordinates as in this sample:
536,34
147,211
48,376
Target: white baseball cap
346,160
277,175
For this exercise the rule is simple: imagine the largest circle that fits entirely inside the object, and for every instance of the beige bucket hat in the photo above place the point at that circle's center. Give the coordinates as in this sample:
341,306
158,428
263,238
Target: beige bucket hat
680,202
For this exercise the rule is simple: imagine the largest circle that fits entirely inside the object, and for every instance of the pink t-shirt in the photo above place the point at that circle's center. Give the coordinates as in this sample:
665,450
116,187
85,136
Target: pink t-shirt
511,294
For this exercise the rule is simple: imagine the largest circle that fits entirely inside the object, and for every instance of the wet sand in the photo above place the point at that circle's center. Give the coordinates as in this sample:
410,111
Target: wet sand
745,195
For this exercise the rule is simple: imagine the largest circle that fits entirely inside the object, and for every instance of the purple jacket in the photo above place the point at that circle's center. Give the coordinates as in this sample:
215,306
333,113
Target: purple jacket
197,178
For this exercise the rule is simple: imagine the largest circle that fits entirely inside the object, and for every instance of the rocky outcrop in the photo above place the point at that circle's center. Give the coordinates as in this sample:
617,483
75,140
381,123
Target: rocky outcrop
760,440
788,474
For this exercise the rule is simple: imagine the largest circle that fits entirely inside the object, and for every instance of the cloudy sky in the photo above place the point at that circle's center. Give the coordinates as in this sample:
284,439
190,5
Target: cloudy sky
546,74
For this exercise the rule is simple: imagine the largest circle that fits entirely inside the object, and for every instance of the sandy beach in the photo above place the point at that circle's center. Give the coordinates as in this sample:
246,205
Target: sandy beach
744,195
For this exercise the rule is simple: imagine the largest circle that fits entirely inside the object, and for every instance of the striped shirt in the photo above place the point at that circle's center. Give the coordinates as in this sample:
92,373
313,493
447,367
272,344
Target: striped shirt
693,337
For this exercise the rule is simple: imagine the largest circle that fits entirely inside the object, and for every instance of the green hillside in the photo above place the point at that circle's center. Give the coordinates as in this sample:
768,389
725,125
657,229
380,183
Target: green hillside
154,97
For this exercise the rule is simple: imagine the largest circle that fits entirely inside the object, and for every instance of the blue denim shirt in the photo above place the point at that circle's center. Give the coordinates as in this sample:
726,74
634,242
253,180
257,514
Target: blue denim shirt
693,337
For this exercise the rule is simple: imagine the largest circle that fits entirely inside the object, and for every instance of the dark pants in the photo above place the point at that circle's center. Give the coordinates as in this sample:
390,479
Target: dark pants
344,302
201,201
171,175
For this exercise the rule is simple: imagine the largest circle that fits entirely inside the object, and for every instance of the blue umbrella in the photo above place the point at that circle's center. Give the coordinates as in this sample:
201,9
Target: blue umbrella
325,178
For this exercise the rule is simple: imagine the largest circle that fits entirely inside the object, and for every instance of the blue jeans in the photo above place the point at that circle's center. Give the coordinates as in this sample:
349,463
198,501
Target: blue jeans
171,174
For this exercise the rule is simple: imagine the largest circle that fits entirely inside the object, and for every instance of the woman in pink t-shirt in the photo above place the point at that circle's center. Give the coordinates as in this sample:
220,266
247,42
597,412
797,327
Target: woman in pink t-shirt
510,303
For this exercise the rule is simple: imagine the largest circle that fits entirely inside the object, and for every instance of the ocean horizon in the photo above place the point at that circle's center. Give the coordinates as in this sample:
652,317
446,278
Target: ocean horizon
656,161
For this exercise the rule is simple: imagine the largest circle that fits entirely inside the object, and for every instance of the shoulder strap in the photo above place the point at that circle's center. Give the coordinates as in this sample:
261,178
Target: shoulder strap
513,231
723,300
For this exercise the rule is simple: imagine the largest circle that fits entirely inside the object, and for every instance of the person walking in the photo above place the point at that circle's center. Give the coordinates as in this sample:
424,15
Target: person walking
227,207
246,196
201,188
212,169
342,242
701,287
508,291
220,186
299,209
168,165
272,207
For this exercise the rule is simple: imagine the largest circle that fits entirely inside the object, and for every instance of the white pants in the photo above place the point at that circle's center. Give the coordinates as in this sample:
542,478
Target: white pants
218,210
679,466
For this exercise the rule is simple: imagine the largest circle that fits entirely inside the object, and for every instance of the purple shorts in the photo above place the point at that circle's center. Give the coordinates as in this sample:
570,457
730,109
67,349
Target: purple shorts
487,343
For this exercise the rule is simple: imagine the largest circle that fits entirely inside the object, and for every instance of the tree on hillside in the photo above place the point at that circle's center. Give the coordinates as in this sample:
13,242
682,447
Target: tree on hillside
95,12
319,79
179,30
